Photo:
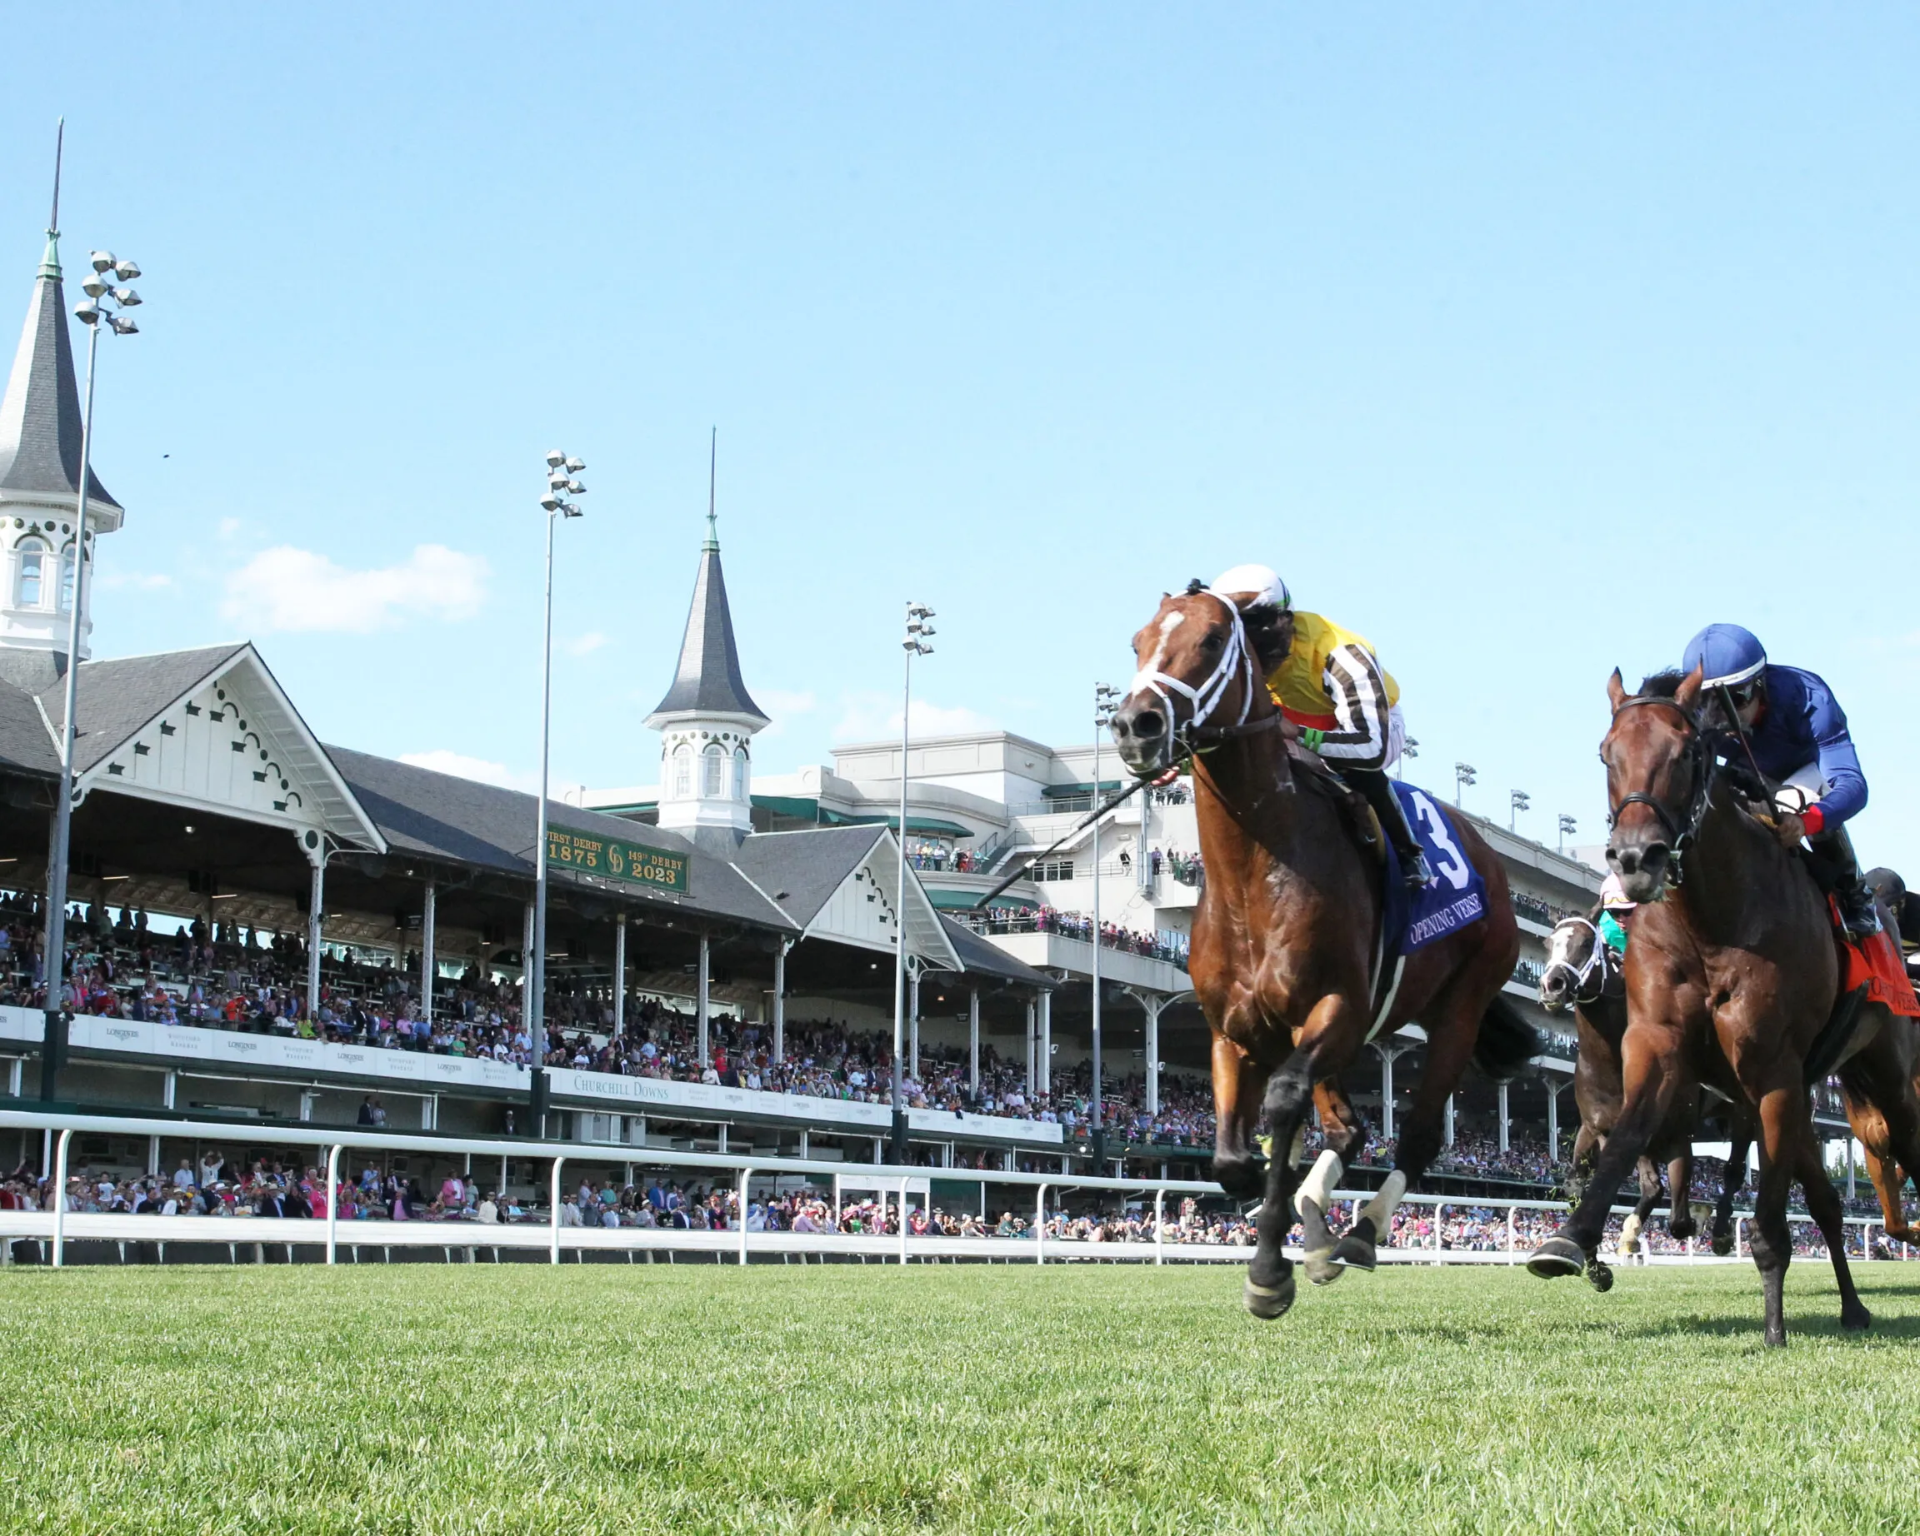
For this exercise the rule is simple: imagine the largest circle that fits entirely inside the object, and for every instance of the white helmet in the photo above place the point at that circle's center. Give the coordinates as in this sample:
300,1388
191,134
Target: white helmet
1261,582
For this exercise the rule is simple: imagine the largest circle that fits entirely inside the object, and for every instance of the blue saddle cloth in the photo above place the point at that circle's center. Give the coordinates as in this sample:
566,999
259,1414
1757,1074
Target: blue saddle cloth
1456,896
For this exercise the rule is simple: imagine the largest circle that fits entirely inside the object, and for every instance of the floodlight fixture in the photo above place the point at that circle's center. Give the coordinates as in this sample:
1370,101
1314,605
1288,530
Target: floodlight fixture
87,312
122,326
550,501
126,271
125,297
102,261
555,459
93,285
574,466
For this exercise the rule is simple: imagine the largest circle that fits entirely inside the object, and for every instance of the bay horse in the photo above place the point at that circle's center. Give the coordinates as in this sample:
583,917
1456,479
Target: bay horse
1287,941
1730,978
1584,975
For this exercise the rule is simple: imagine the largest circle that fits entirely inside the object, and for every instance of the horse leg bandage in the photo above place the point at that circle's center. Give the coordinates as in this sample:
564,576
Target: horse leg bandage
1381,1207
1317,1187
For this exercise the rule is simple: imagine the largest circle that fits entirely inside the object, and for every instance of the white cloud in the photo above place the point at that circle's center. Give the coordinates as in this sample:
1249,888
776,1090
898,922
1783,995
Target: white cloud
872,717
229,526
477,768
288,589
136,581
585,645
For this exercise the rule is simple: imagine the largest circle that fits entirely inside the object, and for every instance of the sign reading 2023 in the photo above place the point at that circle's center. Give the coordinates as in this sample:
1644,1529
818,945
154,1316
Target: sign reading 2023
634,863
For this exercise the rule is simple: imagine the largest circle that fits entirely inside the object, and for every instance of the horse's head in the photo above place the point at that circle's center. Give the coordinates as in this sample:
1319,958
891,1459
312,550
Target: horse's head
1576,965
1656,779
1203,659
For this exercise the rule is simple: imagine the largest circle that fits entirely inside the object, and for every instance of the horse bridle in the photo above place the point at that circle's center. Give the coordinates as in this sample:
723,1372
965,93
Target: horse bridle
1679,835
1236,656
1595,965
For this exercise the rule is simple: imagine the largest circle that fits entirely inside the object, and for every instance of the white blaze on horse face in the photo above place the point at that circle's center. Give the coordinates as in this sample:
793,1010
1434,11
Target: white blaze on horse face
1560,945
1150,668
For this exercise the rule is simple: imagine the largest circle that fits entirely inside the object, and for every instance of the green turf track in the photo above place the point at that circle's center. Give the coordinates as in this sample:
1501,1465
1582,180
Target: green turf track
844,1398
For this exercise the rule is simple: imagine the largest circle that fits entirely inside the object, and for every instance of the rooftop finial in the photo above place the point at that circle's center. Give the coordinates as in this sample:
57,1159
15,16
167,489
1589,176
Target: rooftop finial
713,469
50,263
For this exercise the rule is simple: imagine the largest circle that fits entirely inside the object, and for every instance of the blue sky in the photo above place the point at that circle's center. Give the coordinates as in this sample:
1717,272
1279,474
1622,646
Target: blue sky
1524,342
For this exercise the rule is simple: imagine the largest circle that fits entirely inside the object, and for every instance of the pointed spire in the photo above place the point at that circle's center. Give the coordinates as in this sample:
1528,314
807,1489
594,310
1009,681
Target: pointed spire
713,477
40,412
708,680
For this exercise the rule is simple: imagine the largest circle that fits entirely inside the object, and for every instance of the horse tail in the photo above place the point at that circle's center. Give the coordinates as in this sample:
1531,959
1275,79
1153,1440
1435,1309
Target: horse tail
1507,1042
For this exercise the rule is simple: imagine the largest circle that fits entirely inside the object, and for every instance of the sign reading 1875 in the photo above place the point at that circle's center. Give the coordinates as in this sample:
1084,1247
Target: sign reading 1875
634,863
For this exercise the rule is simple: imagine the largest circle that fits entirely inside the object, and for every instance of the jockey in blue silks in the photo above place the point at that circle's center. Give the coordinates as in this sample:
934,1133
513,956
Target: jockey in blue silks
1798,733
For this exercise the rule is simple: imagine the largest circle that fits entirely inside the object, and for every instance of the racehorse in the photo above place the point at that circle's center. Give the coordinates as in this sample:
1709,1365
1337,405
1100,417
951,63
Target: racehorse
1287,945
1729,981
1583,974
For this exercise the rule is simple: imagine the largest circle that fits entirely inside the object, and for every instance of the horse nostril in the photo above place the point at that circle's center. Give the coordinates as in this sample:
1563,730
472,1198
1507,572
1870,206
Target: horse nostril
1148,724
1654,856
1628,859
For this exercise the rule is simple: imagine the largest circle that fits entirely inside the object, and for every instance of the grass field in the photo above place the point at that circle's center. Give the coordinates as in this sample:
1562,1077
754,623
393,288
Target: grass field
844,1398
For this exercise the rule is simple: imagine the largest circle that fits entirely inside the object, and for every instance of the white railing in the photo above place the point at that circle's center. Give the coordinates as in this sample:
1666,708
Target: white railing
60,1225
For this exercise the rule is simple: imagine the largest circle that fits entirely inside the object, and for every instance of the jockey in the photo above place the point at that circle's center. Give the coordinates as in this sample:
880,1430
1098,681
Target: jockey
1798,733
1616,914
1330,684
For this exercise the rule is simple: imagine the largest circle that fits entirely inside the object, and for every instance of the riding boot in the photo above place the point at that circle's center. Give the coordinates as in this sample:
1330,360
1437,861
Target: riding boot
1831,858
1377,789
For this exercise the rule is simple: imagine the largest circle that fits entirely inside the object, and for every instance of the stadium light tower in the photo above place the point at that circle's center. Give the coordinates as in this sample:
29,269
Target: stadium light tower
561,483
1105,701
919,632
1516,803
103,309
1463,775
1408,748
1567,828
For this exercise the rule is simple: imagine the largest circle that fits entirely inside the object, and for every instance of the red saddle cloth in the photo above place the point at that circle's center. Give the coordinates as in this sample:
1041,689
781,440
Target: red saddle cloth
1875,960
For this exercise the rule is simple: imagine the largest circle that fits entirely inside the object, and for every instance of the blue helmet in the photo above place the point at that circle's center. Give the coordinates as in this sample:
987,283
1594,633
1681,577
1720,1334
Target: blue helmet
1726,654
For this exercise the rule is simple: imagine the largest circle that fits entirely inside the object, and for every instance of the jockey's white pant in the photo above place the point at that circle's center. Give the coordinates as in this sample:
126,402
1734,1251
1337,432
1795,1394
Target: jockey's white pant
1800,789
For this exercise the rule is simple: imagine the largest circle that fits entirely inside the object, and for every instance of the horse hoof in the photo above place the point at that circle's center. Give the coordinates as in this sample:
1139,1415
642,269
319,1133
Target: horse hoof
1722,1244
1856,1320
1681,1229
1599,1277
1268,1302
1556,1257
1321,1269
1356,1249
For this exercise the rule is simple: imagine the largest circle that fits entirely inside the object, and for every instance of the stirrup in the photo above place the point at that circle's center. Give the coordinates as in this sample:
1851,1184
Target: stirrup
1414,869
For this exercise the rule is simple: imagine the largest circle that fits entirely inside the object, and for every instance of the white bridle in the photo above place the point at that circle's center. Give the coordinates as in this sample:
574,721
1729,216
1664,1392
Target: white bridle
1596,960
1206,697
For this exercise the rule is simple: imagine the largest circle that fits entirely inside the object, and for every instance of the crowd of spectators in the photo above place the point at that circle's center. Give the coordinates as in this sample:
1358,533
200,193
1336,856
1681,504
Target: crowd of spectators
1171,947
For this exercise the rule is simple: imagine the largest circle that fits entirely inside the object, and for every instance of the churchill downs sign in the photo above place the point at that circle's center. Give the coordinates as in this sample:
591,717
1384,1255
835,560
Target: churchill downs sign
634,863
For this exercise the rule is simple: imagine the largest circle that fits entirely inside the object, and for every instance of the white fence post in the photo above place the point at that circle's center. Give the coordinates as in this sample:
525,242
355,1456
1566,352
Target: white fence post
903,1219
1159,1226
1439,1217
554,1251
746,1179
1513,1219
1739,1237
1040,1226
60,1197
333,1202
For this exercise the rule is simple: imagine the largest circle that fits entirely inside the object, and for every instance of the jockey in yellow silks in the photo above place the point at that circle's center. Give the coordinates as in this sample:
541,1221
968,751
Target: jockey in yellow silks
1329,683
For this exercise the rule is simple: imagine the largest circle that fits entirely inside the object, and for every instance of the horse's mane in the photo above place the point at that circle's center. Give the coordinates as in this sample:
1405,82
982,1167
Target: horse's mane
1662,685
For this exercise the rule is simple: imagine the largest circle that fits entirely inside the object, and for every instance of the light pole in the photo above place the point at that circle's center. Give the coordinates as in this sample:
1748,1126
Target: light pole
1567,829
99,310
1517,802
1463,775
919,632
561,484
1105,701
1408,748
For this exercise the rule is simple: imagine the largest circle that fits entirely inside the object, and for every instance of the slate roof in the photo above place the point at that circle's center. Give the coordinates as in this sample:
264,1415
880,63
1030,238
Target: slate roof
442,816
982,958
708,679
802,869
40,413
26,746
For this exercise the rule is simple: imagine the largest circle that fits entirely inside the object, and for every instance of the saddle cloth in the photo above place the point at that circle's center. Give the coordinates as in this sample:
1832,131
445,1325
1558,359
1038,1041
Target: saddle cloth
1875,962
1457,894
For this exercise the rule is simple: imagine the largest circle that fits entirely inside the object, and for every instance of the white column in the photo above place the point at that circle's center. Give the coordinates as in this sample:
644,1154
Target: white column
1032,1052
973,1041
1153,1003
1503,1117
700,1003
620,977
780,999
1449,1129
316,905
1553,1116
913,1021
153,1157
1387,1053
1046,1042
169,1089
428,965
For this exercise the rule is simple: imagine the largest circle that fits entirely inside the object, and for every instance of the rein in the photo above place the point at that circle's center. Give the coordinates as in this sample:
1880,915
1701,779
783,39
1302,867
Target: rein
1679,834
